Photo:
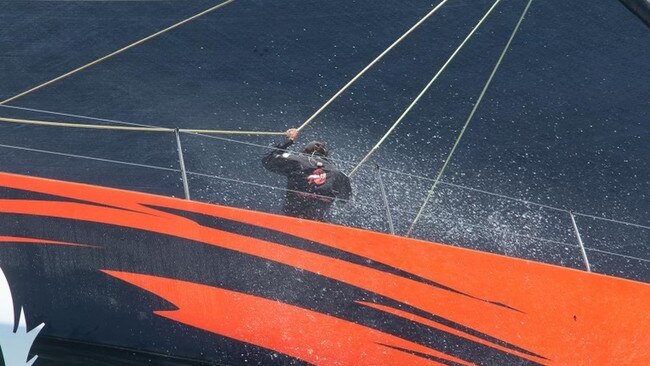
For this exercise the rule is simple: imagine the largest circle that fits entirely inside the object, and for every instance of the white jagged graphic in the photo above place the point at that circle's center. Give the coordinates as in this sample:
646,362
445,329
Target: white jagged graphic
16,344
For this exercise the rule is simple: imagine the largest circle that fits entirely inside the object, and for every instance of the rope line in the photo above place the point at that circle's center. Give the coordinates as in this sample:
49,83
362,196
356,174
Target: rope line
154,167
233,132
85,126
133,127
88,157
377,59
469,119
116,52
424,91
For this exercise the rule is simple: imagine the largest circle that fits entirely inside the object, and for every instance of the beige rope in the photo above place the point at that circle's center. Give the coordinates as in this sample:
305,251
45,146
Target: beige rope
87,126
116,52
232,132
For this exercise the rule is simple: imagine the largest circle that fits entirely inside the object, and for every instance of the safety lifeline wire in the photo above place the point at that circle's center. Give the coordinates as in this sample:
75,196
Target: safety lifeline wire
88,157
469,119
617,254
426,88
509,198
134,44
233,180
121,162
493,230
370,65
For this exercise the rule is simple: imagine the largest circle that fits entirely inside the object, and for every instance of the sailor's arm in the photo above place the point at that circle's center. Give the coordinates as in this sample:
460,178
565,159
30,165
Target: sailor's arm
277,160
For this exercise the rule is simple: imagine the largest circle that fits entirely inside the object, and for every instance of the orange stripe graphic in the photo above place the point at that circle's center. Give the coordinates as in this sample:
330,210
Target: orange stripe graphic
15,239
570,317
307,335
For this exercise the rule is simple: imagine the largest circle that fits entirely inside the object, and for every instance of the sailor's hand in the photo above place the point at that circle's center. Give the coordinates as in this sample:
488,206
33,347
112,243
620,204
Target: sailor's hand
292,134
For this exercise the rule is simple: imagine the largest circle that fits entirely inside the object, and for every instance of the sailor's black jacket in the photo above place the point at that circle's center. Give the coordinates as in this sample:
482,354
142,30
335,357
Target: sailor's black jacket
313,182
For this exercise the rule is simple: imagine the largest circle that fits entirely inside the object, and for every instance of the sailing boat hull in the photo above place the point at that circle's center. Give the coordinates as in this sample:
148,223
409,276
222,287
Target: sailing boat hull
198,283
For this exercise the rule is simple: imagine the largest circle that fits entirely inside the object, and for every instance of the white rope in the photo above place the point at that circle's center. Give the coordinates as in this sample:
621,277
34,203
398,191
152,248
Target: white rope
469,119
424,91
115,52
346,86
156,167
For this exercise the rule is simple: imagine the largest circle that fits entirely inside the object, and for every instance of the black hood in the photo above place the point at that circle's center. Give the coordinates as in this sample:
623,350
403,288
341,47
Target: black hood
316,148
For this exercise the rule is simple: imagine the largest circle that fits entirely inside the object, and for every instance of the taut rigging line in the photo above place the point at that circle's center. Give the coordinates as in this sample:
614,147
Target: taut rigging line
426,88
134,44
469,119
371,64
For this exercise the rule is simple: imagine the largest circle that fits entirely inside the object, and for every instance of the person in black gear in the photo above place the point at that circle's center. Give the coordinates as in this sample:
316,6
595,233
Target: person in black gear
313,182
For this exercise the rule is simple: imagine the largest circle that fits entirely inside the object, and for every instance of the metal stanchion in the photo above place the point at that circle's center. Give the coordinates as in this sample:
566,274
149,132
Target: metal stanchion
186,187
385,199
582,246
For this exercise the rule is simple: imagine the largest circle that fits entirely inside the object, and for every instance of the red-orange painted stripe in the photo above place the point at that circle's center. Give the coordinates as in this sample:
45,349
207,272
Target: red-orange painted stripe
570,316
425,297
304,334
444,328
